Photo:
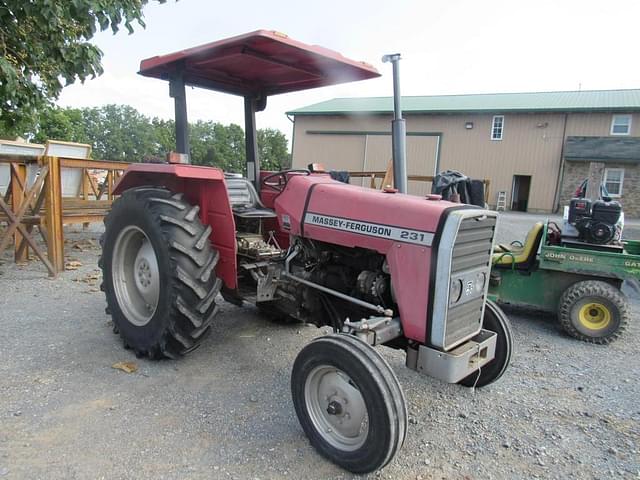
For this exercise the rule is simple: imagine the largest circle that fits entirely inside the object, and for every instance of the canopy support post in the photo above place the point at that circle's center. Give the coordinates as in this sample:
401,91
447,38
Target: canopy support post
251,106
177,92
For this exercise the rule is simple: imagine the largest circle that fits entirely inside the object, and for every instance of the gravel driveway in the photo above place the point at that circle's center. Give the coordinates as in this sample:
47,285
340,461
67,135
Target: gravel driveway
564,409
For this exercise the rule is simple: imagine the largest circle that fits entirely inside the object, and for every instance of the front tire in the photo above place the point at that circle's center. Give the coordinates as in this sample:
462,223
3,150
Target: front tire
496,321
158,269
594,311
349,402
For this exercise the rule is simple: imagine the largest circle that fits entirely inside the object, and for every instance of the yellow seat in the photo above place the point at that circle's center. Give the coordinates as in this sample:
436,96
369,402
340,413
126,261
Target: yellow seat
508,254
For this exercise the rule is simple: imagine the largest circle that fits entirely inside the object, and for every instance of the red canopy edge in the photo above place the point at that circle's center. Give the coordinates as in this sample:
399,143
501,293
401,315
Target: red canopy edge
259,63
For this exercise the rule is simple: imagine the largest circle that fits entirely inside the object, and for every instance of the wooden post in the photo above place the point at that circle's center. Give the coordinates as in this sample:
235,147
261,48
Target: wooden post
16,219
110,185
18,187
388,180
7,195
85,184
85,191
372,181
53,208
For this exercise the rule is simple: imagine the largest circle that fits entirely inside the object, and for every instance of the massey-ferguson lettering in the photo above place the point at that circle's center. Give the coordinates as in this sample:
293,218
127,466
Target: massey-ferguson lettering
372,229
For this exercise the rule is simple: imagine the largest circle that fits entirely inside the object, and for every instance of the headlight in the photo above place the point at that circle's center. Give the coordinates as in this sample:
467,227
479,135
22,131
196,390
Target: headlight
456,291
479,281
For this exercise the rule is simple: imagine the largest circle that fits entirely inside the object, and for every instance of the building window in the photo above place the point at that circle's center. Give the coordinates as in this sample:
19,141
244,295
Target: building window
621,125
613,179
497,127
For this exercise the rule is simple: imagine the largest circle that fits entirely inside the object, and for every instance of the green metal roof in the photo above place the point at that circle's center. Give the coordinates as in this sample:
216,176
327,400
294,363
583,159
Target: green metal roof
585,100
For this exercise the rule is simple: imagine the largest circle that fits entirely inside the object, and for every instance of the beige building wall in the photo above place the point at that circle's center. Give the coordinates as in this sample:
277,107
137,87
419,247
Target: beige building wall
367,147
597,125
531,145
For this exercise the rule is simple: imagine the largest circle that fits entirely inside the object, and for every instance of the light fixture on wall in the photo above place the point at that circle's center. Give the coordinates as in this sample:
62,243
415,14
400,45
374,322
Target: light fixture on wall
543,125
468,125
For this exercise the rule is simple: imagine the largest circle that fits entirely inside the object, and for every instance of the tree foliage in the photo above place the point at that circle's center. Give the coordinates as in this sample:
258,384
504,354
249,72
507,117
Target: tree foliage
120,132
273,149
47,42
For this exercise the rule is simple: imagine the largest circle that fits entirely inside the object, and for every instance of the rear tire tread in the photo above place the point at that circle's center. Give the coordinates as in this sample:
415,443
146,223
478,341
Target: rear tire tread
186,226
206,302
192,273
206,271
204,236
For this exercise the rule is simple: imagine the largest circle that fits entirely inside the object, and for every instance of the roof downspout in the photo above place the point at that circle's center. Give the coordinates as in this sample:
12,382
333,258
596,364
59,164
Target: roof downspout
436,168
292,119
559,182
364,159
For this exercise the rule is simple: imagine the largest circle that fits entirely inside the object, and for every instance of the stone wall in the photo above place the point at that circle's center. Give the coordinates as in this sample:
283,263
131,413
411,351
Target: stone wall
630,190
576,172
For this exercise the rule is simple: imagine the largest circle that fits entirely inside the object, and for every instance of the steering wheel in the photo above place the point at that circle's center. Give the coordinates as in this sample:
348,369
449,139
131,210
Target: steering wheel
278,181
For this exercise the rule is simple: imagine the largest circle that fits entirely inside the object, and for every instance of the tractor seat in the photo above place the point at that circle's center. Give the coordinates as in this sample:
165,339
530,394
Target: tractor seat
522,255
244,199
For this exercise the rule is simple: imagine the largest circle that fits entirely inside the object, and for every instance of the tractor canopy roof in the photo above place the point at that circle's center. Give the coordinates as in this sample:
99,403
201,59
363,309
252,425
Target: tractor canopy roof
259,64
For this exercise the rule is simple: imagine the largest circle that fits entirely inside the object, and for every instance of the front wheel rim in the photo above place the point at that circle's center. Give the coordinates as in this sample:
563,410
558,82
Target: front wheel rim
594,316
136,276
336,408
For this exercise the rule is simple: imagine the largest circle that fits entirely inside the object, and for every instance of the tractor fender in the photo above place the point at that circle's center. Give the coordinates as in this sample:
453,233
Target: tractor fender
201,186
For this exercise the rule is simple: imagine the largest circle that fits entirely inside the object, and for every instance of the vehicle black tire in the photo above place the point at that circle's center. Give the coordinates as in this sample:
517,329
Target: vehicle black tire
354,378
182,281
594,311
496,321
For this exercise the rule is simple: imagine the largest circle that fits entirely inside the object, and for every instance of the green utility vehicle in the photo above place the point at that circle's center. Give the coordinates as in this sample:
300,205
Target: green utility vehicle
580,282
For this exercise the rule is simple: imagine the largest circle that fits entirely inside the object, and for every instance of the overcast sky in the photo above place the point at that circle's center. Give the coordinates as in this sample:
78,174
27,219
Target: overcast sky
448,47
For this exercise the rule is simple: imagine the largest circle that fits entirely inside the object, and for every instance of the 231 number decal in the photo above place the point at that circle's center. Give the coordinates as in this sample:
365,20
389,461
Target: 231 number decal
415,236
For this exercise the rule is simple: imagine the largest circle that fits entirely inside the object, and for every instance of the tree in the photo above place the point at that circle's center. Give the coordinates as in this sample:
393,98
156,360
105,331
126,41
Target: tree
273,149
201,142
44,43
120,132
217,145
165,135
229,148
57,123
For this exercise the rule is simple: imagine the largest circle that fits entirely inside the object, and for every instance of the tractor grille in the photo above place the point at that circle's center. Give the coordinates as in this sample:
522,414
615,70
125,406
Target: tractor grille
471,251
464,259
472,247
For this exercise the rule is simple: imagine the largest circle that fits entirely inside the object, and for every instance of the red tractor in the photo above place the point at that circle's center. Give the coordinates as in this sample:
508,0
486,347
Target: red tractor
378,267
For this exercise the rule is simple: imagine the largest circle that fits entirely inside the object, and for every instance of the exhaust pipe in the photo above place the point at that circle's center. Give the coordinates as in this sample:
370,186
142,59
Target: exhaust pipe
398,129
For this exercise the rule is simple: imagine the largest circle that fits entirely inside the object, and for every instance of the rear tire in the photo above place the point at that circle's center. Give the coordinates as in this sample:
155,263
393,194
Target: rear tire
158,267
349,402
594,311
496,321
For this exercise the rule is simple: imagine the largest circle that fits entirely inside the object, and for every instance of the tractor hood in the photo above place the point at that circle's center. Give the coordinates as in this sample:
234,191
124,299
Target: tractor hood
406,229
358,217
